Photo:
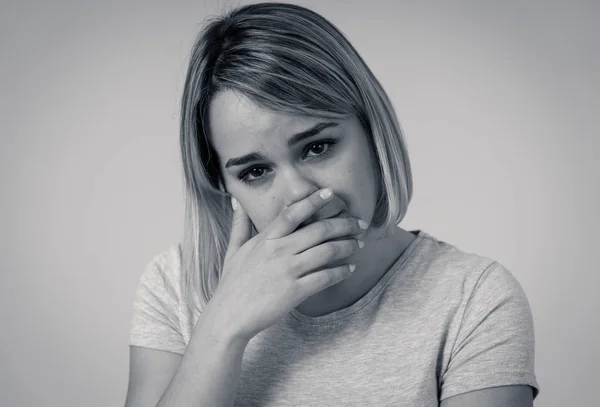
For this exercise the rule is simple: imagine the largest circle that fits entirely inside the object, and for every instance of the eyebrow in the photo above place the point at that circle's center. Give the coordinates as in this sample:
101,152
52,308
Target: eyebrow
295,139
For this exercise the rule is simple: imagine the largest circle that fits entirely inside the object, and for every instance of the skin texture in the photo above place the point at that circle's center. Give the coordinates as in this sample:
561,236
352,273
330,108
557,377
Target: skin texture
287,174
238,127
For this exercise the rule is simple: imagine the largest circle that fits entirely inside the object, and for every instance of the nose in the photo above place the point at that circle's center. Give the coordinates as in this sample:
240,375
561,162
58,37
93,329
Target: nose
296,185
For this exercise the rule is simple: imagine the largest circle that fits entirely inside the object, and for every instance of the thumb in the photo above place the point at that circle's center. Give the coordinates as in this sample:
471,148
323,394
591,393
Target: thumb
241,228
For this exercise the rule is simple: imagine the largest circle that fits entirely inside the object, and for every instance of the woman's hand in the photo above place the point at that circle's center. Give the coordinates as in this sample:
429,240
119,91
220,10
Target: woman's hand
266,276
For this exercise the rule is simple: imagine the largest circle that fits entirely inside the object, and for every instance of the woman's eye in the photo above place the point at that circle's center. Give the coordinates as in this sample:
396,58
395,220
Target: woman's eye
254,173
321,147
318,149
257,172
314,150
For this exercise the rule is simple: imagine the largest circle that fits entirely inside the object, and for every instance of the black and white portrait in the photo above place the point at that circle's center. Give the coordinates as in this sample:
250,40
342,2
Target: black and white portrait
299,203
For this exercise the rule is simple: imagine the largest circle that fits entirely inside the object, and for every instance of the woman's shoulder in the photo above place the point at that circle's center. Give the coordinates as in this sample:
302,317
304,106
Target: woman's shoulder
483,315
450,264
468,284
437,252
164,269
157,319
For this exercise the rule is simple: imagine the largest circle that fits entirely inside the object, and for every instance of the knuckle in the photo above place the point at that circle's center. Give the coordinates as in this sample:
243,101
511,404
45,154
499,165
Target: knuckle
348,227
271,249
288,215
322,228
330,250
348,247
294,267
273,253
236,221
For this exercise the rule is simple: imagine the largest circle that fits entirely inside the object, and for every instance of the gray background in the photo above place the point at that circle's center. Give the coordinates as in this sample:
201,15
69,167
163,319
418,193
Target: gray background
499,102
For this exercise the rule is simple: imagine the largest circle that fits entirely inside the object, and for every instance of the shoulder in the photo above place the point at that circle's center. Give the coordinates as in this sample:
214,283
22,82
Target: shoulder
164,268
446,267
157,318
160,283
486,319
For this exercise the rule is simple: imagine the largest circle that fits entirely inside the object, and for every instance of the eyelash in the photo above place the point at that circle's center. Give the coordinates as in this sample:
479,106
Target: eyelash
329,143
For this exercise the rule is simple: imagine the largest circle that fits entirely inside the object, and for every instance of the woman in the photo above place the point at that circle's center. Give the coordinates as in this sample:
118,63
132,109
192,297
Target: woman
294,297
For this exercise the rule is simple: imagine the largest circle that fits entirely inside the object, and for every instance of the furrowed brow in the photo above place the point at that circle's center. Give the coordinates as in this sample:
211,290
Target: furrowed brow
295,139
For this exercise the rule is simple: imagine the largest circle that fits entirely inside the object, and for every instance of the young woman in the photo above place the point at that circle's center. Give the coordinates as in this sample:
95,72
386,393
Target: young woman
305,291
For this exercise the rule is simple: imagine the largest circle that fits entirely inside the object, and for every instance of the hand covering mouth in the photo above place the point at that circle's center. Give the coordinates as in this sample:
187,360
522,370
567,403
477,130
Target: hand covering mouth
318,218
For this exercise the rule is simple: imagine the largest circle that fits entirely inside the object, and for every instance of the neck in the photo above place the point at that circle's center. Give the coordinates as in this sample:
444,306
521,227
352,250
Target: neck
382,249
385,244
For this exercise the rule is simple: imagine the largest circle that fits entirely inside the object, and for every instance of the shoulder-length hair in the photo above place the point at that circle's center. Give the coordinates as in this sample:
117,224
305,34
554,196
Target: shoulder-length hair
288,59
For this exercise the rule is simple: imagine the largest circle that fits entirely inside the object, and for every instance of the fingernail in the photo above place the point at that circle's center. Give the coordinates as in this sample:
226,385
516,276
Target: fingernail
361,244
352,267
326,193
363,224
234,203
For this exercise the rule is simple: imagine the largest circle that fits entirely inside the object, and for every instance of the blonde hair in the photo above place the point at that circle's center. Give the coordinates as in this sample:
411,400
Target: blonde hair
288,59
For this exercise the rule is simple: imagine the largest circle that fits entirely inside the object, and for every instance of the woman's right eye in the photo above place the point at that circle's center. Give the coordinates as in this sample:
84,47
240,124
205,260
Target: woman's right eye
256,172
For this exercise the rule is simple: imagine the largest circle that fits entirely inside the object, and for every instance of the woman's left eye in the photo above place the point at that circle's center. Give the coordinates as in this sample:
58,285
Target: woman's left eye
320,148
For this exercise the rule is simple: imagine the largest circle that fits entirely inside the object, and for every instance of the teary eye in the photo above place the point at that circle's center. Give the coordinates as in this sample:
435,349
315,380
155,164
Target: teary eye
320,146
319,149
256,172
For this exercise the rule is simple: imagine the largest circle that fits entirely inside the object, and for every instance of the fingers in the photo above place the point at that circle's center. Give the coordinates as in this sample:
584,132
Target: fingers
328,254
312,283
321,231
291,217
241,229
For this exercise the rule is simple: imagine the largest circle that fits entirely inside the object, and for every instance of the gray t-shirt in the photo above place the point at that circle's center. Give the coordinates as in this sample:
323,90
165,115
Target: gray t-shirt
440,322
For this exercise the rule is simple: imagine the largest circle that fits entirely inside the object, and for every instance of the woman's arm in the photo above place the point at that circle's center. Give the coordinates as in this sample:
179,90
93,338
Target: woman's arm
502,396
150,371
492,354
206,375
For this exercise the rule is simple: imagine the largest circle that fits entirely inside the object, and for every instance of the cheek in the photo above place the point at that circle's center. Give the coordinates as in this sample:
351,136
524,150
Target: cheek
262,211
365,185
359,168
355,181
363,177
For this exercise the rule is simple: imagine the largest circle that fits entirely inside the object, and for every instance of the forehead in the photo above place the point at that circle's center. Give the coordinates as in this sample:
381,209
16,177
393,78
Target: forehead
238,125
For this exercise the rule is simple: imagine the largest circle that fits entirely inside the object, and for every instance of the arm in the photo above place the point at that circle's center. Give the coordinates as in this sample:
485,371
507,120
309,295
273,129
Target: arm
492,351
209,370
150,371
164,370
503,396
206,375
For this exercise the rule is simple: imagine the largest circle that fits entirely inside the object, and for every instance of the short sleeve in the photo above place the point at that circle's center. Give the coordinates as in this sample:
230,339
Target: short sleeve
155,316
494,345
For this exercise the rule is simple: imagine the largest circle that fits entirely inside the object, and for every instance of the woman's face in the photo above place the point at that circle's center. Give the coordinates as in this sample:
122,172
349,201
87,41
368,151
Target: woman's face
266,166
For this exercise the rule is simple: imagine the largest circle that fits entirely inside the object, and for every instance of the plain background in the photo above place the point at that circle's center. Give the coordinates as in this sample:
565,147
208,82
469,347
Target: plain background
499,102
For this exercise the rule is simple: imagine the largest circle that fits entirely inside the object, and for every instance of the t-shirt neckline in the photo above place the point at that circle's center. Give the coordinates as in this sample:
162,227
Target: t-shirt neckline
298,317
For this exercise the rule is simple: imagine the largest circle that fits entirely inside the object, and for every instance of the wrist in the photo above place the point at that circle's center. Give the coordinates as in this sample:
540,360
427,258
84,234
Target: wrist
219,328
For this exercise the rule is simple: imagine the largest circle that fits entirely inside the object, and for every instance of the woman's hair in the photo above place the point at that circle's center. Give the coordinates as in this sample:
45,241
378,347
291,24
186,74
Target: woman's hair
288,59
